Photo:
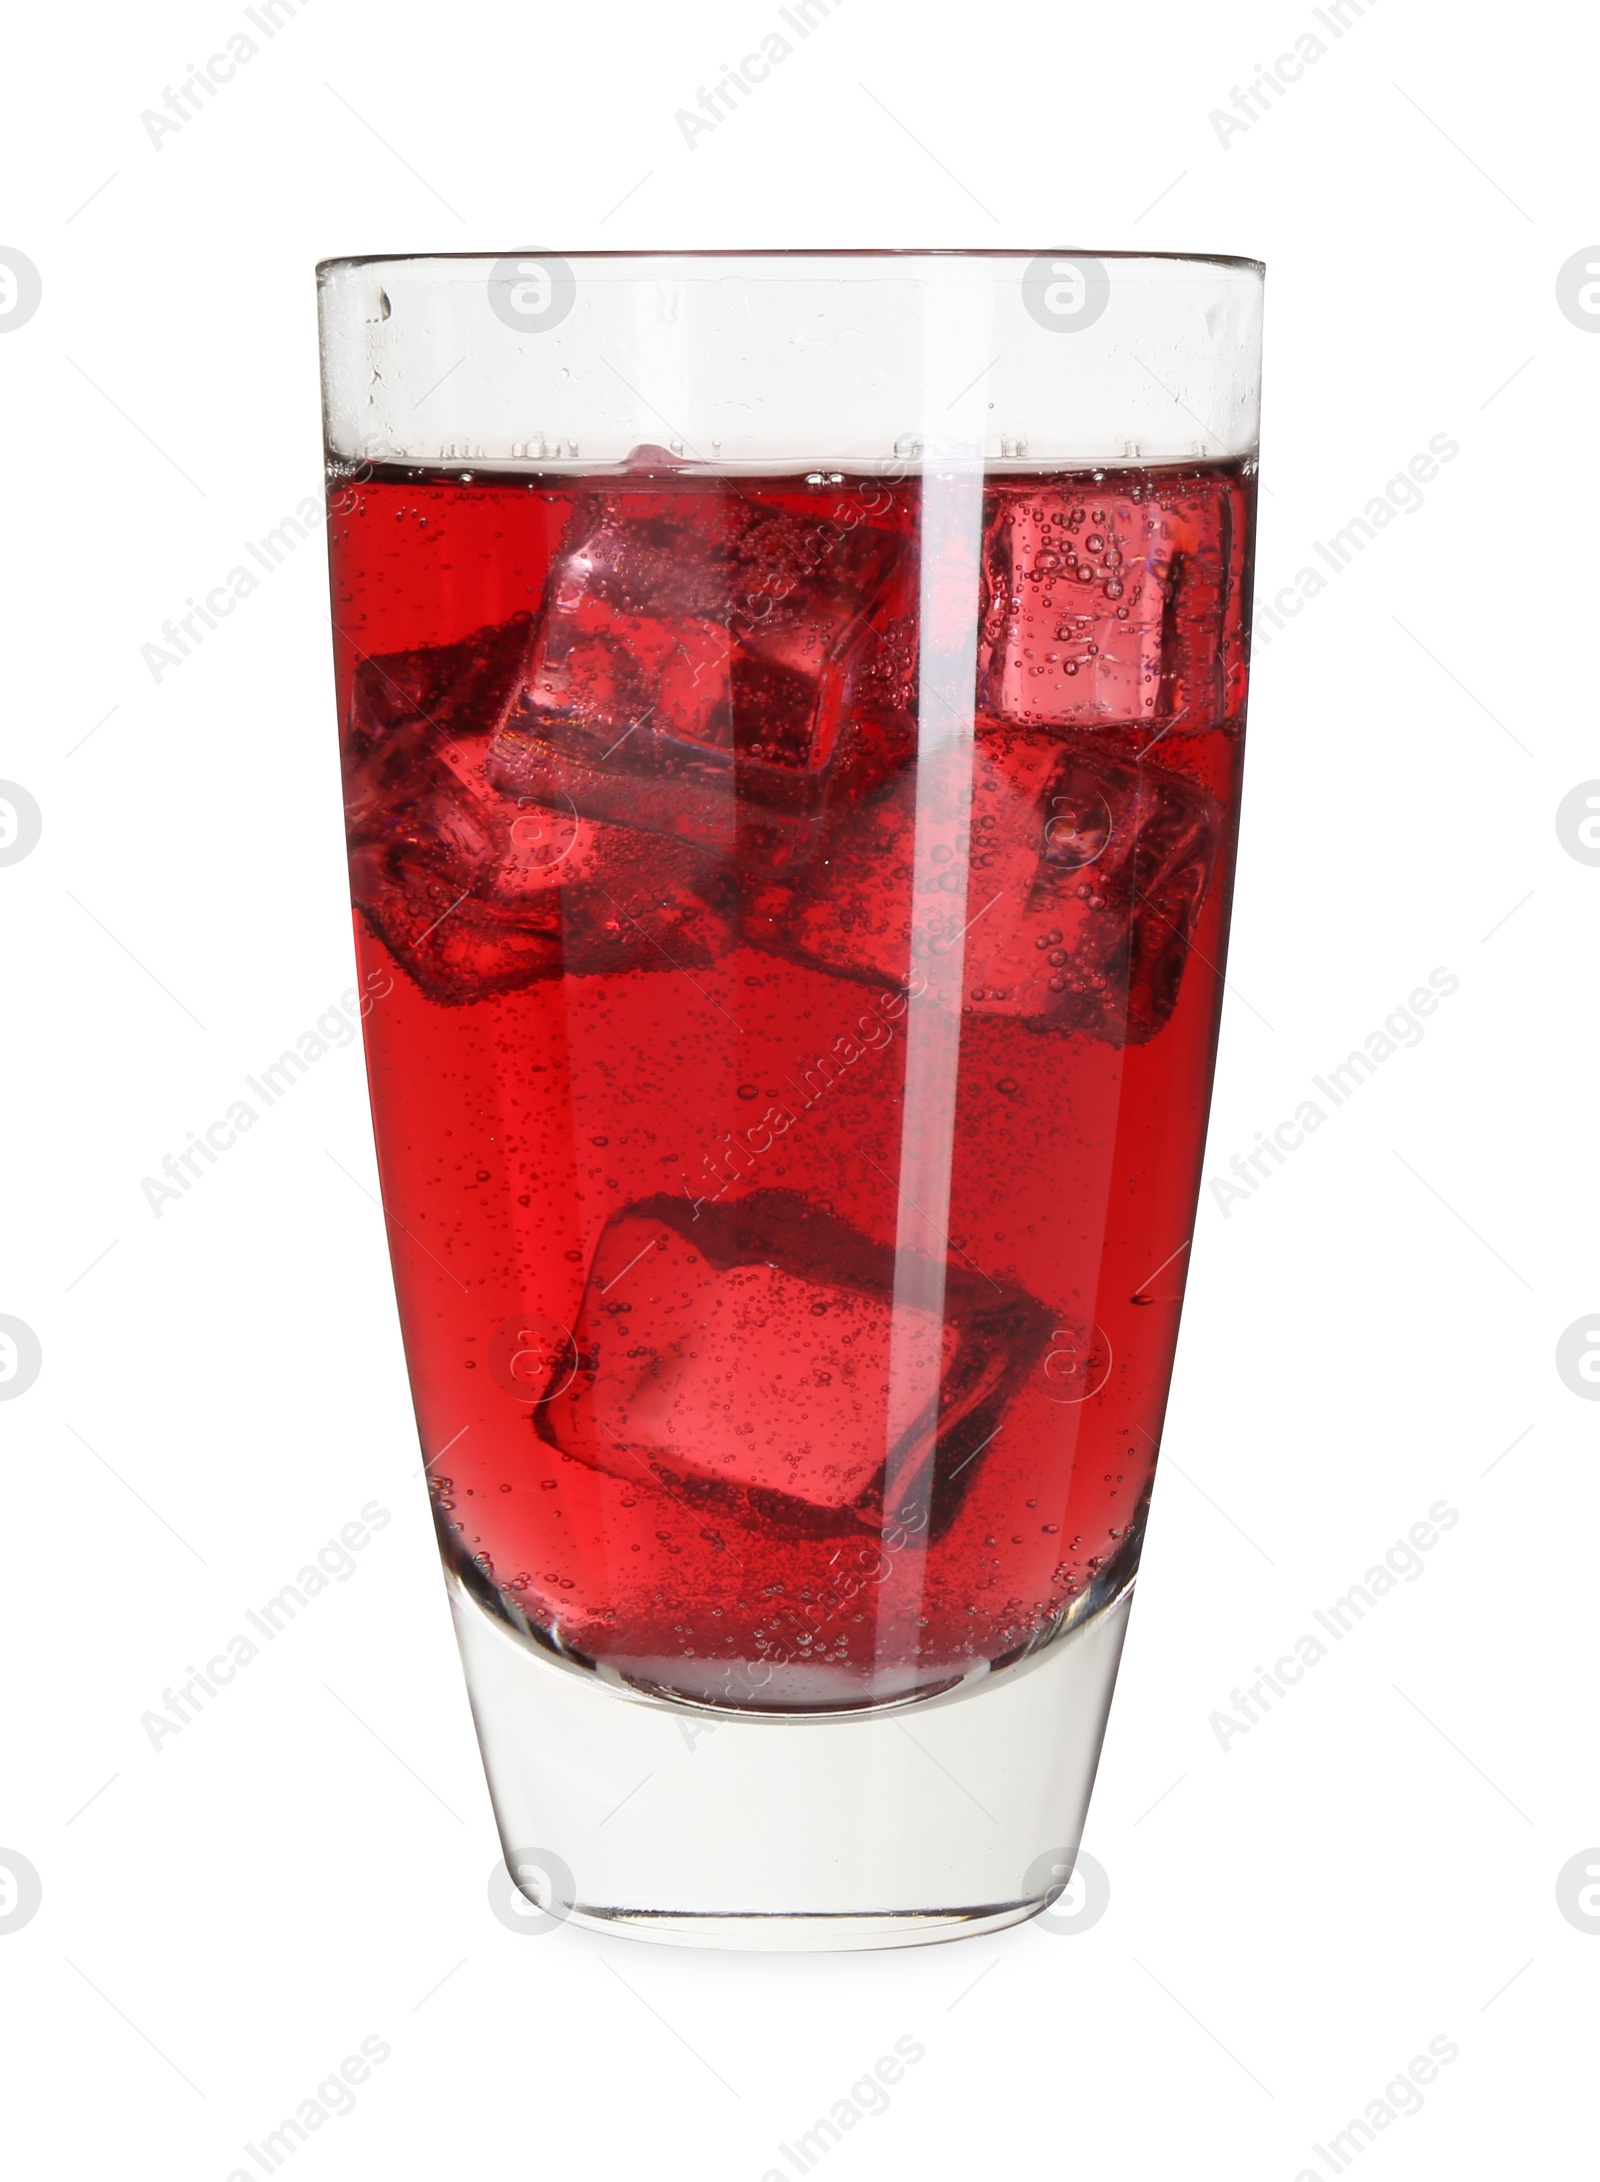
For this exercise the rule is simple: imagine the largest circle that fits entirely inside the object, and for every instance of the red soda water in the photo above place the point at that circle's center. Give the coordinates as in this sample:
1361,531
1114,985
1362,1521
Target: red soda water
704,953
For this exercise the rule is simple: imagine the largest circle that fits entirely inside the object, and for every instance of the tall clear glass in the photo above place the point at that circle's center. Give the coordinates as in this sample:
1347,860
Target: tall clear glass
791,707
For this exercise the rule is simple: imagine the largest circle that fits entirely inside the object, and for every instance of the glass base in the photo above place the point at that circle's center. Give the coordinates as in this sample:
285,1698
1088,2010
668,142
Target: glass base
891,1827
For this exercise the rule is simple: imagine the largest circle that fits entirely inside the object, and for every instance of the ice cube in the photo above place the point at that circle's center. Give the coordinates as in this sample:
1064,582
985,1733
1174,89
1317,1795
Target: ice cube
1073,906
714,669
405,708
476,891
1107,606
740,1354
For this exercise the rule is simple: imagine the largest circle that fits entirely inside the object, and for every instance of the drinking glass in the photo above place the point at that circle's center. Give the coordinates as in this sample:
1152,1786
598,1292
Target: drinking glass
791,709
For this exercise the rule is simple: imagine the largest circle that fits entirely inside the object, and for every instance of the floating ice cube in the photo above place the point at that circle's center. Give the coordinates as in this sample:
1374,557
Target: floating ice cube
714,669
1073,907
742,1354
1110,607
476,891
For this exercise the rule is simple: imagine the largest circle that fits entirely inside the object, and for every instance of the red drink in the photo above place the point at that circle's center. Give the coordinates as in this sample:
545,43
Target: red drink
674,905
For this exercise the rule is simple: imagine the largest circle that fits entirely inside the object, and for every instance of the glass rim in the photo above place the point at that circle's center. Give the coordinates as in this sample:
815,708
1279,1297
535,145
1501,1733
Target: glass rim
1208,260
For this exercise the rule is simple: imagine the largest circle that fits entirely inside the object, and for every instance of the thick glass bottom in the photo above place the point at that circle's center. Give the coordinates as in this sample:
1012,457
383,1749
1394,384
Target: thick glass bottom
896,1826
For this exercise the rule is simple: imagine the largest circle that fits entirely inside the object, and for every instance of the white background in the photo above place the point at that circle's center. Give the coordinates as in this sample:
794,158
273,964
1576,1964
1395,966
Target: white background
1292,1919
